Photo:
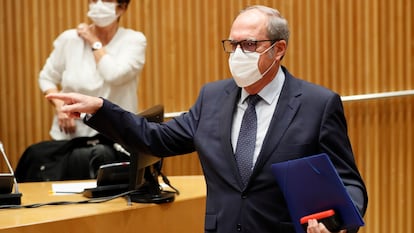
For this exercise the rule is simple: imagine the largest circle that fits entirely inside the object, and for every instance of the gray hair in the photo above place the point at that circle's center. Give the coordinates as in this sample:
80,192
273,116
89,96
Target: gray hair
277,28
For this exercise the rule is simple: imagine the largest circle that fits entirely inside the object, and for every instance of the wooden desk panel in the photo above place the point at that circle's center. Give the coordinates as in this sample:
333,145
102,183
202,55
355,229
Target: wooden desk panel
185,214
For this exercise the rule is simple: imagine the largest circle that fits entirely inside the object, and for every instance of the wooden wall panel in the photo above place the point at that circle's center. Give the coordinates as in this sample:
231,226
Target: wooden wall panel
351,46
382,133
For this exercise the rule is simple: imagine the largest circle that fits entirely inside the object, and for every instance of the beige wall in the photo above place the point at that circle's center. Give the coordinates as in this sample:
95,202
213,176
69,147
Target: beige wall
351,46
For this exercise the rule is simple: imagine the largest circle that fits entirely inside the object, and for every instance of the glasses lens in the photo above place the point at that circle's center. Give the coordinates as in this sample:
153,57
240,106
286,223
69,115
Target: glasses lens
229,46
248,46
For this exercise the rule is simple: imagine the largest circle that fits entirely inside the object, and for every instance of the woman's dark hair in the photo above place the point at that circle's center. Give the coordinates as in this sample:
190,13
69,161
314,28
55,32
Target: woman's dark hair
123,3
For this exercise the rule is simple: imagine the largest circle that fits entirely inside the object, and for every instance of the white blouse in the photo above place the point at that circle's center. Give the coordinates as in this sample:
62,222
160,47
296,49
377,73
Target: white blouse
72,67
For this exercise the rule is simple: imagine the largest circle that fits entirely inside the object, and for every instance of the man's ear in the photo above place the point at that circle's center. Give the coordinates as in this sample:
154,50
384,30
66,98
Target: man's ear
280,49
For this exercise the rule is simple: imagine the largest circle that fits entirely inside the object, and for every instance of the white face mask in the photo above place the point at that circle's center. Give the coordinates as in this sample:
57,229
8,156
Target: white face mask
245,68
102,13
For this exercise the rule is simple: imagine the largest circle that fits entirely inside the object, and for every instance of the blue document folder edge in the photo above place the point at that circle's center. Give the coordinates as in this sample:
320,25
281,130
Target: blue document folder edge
312,184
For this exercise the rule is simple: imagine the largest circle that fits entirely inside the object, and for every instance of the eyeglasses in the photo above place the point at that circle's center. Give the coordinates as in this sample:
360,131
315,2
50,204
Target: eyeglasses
247,46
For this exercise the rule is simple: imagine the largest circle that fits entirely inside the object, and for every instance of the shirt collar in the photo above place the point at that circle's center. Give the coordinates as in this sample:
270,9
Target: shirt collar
271,90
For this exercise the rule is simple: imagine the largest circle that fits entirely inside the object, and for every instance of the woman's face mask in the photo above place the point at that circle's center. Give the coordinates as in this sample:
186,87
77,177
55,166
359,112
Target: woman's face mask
245,67
102,13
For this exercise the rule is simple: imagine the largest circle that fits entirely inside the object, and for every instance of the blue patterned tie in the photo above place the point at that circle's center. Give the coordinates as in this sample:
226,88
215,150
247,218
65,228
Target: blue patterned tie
247,139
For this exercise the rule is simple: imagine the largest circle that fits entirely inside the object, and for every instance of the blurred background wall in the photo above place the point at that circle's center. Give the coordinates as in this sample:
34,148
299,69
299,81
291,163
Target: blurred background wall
351,46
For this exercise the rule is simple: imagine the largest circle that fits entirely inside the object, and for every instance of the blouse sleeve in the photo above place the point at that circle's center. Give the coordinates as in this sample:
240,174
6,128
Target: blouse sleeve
51,74
125,58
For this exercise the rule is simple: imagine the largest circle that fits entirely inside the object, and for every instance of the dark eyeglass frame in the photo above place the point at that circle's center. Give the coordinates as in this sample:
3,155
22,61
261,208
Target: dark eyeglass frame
247,46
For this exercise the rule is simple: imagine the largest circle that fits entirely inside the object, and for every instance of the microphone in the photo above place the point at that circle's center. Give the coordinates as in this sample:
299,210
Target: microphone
121,149
6,180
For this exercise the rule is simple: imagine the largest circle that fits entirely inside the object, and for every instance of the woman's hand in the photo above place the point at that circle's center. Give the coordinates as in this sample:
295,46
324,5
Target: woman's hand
66,124
87,33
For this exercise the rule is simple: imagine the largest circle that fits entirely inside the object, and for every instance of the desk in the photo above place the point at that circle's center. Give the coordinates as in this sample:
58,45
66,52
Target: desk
185,214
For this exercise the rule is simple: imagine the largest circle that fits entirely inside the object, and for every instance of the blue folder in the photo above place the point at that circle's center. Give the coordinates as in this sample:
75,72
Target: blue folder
312,184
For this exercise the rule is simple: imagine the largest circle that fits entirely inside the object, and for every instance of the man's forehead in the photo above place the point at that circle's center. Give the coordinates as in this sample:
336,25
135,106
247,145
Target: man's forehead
250,24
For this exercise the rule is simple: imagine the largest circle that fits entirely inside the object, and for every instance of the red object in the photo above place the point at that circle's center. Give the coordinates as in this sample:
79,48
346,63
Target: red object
317,216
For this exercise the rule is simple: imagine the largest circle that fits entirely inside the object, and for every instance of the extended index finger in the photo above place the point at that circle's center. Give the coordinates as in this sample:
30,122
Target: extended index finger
60,96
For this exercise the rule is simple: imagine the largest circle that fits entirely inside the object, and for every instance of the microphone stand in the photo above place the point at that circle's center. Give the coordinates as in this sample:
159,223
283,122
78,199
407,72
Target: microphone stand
8,198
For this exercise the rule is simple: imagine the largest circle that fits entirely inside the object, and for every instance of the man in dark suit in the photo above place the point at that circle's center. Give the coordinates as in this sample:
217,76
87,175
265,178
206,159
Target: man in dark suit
293,119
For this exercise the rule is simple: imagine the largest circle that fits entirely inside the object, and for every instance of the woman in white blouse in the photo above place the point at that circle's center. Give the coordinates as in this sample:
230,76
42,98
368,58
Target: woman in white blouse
100,59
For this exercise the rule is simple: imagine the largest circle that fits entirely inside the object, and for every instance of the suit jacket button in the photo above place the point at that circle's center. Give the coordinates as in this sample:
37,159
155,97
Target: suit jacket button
239,227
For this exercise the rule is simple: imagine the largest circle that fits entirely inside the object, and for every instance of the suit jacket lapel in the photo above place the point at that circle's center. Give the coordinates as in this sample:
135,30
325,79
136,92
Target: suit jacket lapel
226,112
286,109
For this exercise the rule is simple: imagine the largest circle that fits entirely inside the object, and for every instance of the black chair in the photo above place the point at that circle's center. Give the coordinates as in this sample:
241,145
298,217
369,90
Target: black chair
75,159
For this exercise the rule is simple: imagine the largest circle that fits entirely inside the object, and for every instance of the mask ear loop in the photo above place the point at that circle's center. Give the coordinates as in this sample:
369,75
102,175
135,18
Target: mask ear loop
266,50
274,60
271,53
268,69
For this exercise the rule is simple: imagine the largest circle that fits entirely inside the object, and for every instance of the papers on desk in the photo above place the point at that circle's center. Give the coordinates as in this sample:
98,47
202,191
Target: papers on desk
312,184
71,188
79,187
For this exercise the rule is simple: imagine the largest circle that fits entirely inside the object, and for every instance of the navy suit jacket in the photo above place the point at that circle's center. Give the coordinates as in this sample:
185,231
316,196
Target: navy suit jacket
308,120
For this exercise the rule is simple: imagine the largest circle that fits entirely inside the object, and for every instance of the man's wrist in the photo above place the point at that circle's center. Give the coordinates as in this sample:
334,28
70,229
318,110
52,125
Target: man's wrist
99,102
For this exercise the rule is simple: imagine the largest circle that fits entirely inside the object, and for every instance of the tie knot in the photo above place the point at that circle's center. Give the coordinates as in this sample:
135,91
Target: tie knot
253,99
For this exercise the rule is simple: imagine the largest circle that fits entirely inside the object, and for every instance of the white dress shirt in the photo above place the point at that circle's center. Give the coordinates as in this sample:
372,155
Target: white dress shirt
264,111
